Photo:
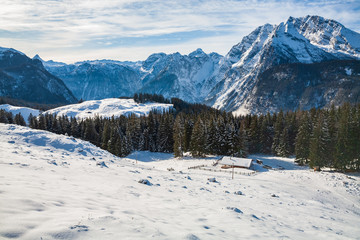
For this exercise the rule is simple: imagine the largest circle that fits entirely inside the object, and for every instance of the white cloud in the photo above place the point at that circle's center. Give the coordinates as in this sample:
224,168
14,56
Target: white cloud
82,29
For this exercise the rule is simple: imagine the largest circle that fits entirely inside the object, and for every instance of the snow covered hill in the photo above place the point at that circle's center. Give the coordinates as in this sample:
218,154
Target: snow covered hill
107,108
56,187
24,111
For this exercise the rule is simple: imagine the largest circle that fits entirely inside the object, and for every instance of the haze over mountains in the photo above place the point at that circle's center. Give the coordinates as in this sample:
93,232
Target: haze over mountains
301,63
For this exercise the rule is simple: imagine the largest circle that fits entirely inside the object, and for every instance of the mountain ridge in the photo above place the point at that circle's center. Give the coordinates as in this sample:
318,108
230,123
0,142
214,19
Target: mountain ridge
229,82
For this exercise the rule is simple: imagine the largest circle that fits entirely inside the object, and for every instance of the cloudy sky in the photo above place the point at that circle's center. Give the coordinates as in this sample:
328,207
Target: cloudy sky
74,30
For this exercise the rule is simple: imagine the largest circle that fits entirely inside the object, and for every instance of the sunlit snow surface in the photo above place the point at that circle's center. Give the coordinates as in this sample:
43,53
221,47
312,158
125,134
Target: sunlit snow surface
108,107
58,187
24,111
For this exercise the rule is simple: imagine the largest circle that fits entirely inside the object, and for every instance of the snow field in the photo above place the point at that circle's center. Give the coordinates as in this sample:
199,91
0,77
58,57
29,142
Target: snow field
108,107
54,187
89,109
25,111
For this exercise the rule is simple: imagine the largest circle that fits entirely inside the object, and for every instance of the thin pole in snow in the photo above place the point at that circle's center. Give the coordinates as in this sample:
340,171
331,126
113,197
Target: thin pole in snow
233,171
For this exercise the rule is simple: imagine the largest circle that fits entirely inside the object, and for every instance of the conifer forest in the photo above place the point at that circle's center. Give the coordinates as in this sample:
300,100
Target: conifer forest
318,137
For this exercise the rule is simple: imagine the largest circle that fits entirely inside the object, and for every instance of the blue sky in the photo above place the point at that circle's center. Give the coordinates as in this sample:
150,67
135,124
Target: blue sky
75,30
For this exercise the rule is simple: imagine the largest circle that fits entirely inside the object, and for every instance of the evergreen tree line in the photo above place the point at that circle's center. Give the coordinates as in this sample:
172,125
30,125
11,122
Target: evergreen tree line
147,97
24,103
319,137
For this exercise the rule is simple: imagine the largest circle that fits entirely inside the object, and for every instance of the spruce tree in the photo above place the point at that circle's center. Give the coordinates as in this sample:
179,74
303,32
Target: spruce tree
302,144
179,136
3,116
319,144
284,148
105,135
19,120
278,129
42,122
198,139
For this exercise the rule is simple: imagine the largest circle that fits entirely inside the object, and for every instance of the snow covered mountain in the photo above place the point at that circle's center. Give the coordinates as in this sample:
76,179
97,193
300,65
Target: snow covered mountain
27,79
58,187
240,81
189,77
97,79
306,40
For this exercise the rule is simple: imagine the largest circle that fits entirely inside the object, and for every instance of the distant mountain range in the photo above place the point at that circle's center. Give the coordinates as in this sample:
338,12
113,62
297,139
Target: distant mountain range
301,63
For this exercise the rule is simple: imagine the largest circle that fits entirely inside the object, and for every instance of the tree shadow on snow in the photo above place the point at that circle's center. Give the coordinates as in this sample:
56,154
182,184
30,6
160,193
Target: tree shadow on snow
274,163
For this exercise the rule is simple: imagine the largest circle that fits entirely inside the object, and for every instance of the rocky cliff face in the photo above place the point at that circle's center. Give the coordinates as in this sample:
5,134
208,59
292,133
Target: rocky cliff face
307,40
303,86
26,79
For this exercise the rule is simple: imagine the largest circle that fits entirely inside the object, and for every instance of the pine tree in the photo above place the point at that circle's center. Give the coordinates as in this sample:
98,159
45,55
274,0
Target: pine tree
75,128
19,120
284,148
302,145
179,136
32,121
319,144
278,129
266,134
240,142
105,135
254,134
113,144
332,120
3,116
90,133
198,139
343,144
42,122
189,125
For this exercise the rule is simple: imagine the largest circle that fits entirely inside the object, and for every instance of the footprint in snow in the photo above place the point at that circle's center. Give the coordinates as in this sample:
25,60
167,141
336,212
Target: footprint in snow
53,162
234,209
80,228
254,216
145,181
102,164
192,237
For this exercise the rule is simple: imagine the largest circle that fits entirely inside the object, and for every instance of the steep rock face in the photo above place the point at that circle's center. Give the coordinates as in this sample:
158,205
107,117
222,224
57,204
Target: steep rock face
189,77
308,40
97,79
303,86
26,79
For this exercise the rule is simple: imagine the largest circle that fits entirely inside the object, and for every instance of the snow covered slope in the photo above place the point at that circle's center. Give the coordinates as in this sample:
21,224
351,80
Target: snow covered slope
107,108
57,187
305,40
24,111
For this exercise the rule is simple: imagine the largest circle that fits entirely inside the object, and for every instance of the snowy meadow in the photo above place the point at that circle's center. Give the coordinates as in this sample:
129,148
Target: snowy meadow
58,187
